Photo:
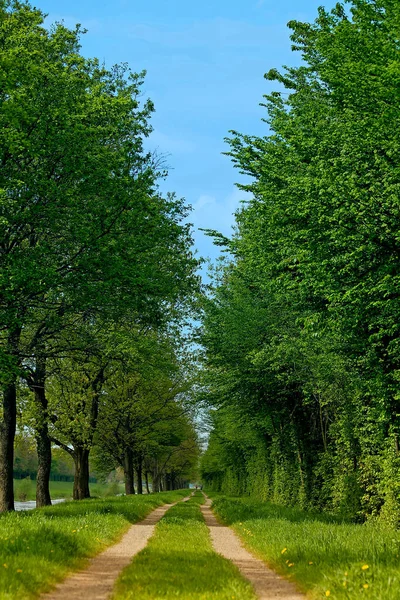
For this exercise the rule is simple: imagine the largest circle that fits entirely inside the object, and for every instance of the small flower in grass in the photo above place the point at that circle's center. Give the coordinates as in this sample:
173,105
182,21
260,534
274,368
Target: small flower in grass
365,586
310,562
5,566
19,570
345,573
74,531
291,565
327,593
283,551
365,567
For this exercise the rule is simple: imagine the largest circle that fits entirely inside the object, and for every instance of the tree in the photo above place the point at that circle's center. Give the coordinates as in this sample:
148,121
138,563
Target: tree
313,359
83,228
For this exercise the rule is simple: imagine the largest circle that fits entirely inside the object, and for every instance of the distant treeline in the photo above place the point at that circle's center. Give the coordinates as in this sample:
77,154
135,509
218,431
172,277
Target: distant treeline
26,462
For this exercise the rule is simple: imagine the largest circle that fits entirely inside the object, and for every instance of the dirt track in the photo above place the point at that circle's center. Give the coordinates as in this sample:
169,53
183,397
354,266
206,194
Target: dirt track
97,580
267,584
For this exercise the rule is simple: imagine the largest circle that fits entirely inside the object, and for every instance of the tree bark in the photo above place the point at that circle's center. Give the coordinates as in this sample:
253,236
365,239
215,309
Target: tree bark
7,434
156,481
81,477
44,466
139,476
128,472
42,436
146,476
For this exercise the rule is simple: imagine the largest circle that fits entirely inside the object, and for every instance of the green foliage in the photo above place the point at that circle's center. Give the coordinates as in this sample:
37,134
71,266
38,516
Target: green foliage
301,327
24,489
87,239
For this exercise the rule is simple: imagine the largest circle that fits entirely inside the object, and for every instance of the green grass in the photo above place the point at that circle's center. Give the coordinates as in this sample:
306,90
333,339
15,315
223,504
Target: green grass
63,489
322,555
179,562
39,547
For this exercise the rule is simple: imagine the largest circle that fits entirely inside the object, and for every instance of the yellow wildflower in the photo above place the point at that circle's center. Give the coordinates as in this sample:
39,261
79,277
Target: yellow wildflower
19,570
327,593
290,564
283,551
310,562
365,586
5,566
365,567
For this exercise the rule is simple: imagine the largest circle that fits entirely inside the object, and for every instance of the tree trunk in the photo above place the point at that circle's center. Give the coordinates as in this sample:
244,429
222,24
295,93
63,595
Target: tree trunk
156,481
128,472
42,437
81,477
7,435
146,476
44,466
139,476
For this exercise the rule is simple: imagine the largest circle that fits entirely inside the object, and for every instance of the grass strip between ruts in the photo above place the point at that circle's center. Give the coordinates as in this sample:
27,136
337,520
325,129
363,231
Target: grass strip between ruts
179,562
325,557
40,547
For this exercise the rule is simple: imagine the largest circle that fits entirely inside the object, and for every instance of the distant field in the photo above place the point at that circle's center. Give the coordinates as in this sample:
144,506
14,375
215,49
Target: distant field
25,490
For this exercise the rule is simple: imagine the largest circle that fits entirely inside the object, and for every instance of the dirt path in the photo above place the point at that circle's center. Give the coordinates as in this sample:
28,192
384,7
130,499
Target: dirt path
267,584
96,582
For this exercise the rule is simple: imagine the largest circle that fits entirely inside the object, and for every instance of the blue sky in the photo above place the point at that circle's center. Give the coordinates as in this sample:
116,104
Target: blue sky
205,63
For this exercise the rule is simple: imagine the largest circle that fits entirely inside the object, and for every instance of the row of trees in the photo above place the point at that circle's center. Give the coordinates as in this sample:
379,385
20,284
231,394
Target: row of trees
26,463
301,329
97,276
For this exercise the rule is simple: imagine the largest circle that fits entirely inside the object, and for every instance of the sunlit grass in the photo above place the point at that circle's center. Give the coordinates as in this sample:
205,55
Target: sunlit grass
39,548
325,557
179,562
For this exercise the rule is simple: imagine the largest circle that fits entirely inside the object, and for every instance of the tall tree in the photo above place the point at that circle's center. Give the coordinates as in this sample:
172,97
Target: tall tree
83,228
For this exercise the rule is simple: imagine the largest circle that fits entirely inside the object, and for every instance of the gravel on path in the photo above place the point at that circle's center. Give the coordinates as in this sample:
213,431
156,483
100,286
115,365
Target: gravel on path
267,584
96,582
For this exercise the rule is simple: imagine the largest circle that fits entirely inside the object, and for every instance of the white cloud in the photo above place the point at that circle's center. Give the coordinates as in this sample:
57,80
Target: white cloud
168,144
208,33
92,25
210,212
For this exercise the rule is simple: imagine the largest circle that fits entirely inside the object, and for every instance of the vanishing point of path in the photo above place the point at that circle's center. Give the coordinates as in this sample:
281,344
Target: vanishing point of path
97,581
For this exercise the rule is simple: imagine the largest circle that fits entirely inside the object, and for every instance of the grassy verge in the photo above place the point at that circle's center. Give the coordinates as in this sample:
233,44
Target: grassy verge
39,547
179,562
325,557
26,490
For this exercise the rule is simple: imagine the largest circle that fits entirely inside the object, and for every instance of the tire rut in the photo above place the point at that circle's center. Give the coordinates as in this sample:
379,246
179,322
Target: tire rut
267,584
